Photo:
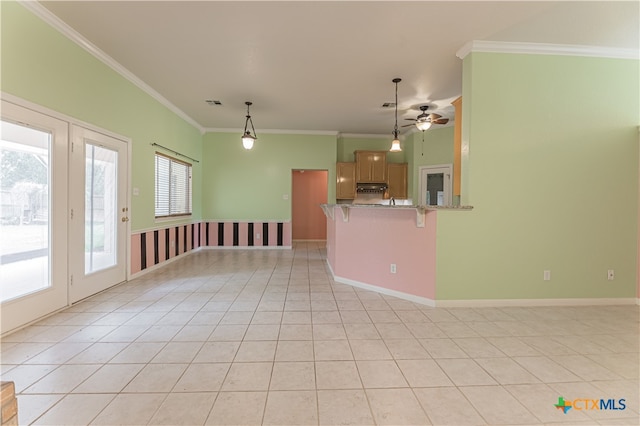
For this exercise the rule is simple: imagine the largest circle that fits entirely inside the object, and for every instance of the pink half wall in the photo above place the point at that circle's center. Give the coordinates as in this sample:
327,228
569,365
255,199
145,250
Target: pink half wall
362,249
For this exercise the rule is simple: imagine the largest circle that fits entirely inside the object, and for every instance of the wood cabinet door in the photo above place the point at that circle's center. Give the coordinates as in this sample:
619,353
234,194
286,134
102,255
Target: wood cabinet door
378,166
345,181
371,166
397,175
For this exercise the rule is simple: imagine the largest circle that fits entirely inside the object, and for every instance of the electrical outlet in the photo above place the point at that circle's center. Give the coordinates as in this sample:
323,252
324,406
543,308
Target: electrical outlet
258,236
173,244
393,268
547,275
611,275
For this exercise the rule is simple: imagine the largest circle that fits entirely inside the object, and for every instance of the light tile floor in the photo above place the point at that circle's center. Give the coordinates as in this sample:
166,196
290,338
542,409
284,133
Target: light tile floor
266,337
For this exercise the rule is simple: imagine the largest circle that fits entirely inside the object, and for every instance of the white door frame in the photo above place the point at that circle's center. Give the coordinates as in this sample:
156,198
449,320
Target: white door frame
84,284
63,199
447,170
24,309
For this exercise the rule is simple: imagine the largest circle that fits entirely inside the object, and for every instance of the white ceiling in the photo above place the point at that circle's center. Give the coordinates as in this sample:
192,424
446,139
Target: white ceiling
325,65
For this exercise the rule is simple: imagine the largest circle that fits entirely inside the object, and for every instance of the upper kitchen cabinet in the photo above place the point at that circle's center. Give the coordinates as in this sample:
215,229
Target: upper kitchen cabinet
371,166
397,176
345,181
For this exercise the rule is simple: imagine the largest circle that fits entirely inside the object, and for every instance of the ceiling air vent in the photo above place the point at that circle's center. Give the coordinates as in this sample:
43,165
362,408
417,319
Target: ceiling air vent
212,102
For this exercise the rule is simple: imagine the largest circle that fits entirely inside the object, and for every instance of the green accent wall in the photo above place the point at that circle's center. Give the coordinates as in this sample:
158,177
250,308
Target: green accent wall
249,185
42,66
437,148
553,167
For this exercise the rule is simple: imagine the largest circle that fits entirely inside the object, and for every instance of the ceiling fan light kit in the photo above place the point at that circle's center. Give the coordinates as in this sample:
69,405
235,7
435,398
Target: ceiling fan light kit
247,138
424,121
395,144
423,125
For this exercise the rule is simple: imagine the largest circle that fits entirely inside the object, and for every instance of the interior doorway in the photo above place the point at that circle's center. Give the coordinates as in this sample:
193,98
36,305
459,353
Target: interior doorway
435,185
309,190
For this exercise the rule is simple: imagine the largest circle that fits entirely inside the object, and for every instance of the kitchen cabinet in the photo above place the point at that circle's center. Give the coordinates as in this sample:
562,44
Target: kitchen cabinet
397,180
371,166
345,181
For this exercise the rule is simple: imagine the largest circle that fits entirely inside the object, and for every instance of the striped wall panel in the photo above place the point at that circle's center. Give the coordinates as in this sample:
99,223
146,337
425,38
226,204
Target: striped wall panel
151,248
246,234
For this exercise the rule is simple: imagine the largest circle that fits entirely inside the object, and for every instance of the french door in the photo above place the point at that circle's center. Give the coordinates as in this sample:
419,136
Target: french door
63,213
99,214
33,219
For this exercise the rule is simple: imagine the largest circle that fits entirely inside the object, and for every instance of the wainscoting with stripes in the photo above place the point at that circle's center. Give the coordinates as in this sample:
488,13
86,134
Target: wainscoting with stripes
153,247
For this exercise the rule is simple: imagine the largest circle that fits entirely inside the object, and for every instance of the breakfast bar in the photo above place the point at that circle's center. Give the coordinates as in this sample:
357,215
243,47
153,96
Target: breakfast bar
388,249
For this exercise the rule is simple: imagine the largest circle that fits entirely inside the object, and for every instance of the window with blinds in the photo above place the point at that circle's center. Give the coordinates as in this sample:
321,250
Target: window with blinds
173,187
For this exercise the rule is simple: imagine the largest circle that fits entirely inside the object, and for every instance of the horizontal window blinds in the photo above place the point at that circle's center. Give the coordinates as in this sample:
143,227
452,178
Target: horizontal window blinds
173,187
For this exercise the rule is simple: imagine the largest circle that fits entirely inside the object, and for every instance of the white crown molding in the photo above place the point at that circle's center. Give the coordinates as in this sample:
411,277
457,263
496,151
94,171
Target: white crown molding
43,13
273,131
546,49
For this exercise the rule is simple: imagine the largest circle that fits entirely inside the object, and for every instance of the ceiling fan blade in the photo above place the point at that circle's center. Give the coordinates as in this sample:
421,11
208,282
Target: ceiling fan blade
410,119
434,116
440,121
408,125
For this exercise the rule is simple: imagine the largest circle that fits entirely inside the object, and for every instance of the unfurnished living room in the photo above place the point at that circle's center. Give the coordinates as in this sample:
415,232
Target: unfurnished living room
320,212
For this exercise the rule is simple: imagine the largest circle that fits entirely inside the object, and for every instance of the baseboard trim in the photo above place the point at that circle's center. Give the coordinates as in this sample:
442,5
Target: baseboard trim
400,295
497,303
246,247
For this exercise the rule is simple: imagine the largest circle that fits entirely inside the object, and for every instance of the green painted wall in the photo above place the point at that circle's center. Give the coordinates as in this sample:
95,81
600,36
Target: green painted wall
553,168
437,148
42,66
249,185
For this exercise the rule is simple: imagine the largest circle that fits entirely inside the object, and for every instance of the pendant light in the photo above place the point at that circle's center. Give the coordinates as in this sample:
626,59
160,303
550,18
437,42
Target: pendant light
395,144
247,138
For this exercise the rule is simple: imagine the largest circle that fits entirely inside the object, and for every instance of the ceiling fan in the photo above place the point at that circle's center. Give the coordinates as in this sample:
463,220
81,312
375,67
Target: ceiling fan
424,120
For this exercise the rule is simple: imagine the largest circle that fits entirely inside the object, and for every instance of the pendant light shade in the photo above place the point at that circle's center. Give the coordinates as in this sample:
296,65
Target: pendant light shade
247,138
395,144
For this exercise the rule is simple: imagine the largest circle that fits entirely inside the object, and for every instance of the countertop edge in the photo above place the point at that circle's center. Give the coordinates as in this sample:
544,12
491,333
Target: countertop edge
399,207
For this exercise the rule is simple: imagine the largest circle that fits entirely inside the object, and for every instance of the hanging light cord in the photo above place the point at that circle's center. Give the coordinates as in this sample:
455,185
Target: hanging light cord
249,120
395,128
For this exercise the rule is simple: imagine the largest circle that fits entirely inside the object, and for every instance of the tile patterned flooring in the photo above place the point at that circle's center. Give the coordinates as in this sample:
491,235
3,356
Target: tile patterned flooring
266,337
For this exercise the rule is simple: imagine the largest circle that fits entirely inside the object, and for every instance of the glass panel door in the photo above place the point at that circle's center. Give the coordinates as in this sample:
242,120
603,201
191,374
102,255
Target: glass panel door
435,189
98,227
24,215
33,202
100,216
435,185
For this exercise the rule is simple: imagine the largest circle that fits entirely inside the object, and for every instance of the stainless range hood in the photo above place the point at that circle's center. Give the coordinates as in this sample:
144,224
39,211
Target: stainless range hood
367,188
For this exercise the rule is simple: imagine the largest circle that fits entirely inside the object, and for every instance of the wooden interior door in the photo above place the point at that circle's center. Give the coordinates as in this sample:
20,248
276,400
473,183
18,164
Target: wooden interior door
309,190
